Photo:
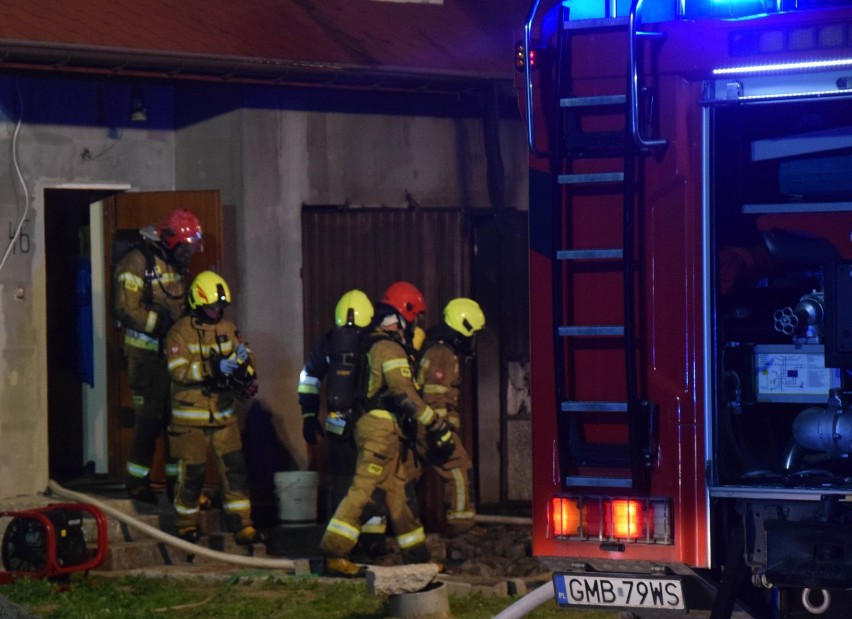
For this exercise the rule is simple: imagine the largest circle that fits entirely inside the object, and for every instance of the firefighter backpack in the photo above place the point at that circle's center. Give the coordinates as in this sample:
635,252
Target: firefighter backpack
345,382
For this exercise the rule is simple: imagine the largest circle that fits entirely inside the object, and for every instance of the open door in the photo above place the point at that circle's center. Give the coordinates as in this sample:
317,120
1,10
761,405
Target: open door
133,211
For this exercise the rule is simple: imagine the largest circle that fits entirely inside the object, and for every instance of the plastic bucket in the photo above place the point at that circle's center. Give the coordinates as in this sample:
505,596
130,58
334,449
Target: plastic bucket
296,495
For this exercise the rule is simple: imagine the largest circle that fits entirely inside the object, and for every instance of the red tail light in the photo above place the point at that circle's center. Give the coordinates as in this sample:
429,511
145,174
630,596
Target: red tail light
598,518
565,517
628,519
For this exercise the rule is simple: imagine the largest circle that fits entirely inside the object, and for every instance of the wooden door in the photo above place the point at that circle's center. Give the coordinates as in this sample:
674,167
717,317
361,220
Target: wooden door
131,211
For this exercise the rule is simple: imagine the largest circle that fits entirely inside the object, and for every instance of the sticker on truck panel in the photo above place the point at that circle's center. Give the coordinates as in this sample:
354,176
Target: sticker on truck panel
619,591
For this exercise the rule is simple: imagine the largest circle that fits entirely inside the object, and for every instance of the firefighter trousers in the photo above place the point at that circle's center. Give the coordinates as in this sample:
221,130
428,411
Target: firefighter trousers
191,446
149,382
341,459
379,478
455,472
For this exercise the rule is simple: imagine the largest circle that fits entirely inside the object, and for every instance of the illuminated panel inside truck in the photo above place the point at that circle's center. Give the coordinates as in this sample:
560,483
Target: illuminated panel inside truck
792,374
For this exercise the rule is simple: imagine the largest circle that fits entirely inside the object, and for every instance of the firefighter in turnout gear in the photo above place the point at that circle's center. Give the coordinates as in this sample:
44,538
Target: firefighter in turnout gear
211,367
150,295
339,360
379,473
439,377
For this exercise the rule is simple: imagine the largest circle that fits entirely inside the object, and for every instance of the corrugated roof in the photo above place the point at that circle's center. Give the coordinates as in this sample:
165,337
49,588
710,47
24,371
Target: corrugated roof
461,38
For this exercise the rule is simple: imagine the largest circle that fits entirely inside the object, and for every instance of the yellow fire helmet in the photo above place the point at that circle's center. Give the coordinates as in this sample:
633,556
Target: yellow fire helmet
353,308
464,315
208,288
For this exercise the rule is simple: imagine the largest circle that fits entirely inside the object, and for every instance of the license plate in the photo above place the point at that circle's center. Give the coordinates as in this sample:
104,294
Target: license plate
619,590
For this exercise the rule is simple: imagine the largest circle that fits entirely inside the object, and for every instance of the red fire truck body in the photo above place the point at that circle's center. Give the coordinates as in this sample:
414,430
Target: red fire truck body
691,305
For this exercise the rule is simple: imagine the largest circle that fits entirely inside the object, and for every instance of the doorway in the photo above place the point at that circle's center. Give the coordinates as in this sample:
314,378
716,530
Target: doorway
75,308
89,427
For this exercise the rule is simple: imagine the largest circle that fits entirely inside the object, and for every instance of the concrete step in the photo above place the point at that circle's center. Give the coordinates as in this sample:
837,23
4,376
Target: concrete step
149,553
129,548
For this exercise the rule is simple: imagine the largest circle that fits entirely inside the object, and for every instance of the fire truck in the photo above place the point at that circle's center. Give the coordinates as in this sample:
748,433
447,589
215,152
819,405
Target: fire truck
691,303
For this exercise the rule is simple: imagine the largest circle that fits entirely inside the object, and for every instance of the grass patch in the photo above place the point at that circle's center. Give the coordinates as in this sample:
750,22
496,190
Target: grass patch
137,597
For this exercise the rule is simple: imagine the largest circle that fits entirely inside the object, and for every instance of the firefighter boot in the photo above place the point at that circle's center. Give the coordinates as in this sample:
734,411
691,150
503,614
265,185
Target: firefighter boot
343,568
249,535
189,534
140,490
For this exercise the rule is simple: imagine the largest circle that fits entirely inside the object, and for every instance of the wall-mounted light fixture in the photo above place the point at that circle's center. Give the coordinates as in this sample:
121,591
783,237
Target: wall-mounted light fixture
137,104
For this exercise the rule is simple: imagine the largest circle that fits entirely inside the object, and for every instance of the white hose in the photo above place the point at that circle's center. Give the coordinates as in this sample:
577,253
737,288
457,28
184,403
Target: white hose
171,540
502,519
816,610
528,603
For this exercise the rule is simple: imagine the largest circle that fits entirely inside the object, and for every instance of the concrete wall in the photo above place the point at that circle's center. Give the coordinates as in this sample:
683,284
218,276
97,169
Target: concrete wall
266,161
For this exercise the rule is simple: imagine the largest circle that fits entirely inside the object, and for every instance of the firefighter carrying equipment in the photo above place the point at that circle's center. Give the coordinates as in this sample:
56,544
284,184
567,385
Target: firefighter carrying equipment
339,359
149,296
379,473
203,416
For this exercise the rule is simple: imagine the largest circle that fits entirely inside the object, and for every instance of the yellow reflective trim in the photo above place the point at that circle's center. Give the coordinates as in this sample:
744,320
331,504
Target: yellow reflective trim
303,388
435,389
168,278
461,488
427,417
151,322
376,524
199,414
237,506
343,529
374,469
177,362
400,364
380,414
138,339
137,470
417,536
460,515
185,511
131,281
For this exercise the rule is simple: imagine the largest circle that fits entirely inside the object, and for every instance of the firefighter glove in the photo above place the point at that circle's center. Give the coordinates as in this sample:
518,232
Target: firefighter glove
242,352
228,365
440,439
311,428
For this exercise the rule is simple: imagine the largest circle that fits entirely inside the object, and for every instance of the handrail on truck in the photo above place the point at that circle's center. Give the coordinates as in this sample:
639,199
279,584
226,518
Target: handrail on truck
528,80
635,16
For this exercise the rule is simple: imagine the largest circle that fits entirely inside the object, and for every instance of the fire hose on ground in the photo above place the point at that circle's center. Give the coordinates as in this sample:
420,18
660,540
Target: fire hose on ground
171,540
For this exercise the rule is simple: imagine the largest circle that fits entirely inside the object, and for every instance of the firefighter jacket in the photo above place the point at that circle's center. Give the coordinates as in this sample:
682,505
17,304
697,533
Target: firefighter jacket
147,301
200,395
440,379
391,383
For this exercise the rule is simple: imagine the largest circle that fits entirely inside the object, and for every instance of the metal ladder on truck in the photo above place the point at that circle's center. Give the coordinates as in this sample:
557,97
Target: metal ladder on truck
595,153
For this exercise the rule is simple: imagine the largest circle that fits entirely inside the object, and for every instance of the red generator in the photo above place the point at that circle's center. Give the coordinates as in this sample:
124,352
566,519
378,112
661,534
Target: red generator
690,208
52,541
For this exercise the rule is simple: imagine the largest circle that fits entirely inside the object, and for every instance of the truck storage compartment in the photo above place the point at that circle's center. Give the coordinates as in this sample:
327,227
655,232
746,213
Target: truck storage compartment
818,176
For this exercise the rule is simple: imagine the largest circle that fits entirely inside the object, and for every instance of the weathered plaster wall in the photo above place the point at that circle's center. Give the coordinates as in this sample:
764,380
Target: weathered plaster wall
67,134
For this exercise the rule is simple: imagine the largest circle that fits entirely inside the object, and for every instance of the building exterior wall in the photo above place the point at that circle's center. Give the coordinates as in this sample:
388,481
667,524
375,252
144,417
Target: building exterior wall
267,161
